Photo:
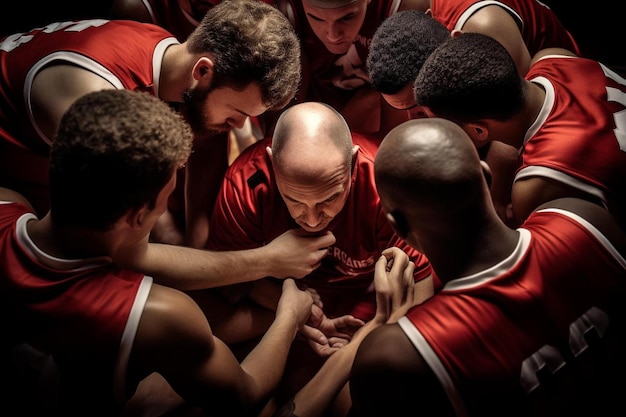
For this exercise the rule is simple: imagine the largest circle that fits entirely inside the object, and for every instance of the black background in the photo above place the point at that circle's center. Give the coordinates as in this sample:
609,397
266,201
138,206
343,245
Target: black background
595,26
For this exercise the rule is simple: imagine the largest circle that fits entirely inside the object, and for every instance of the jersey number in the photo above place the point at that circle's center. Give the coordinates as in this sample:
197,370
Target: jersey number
13,41
549,358
613,94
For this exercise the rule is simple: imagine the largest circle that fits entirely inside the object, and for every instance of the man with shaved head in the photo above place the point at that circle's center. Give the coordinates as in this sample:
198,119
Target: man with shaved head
528,322
315,176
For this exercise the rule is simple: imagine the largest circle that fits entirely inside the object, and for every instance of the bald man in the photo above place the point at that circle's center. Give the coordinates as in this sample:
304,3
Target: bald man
315,176
528,322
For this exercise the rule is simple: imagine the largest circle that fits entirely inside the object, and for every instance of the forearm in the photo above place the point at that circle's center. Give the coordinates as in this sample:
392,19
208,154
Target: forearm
266,362
193,269
318,394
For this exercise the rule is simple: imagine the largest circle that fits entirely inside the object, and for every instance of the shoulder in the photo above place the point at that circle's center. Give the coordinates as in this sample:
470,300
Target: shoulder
597,216
388,370
172,325
388,347
548,52
171,316
10,196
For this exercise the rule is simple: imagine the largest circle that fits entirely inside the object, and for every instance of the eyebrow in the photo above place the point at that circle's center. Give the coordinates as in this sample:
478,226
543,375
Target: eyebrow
349,14
293,200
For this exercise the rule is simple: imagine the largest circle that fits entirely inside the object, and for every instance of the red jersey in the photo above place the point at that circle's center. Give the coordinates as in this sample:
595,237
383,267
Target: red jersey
84,312
251,212
334,77
577,137
500,339
127,54
539,26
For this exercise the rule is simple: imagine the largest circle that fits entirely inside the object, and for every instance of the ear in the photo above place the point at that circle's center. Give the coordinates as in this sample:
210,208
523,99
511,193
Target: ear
203,68
355,152
136,217
478,132
269,152
398,223
456,33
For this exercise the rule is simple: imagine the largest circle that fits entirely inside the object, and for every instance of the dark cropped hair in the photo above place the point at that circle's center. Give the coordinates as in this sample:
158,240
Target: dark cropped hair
114,150
468,78
251,42
399,48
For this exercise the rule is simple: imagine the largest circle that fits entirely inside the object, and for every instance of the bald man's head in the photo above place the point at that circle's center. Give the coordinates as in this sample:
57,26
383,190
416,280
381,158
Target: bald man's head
427,161
309,138
312,154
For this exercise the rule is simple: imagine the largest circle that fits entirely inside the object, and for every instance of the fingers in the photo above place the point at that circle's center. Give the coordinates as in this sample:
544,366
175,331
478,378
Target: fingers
393,281
317,299
314,335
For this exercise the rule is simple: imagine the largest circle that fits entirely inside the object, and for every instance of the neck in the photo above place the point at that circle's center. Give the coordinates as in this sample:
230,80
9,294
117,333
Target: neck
175,76
513,131
67,242
469,251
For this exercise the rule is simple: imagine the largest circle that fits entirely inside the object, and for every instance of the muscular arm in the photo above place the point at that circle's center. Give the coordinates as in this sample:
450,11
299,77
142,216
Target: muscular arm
175,340
289,255
496,22
395,294
55,88
530,193
388,375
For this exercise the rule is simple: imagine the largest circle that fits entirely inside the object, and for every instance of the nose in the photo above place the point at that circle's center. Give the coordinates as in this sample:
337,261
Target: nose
333,32
311,217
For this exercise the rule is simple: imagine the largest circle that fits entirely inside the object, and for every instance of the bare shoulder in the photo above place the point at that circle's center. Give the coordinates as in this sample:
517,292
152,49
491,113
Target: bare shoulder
7,195
551,51
389,348
388,371
170,314
595,214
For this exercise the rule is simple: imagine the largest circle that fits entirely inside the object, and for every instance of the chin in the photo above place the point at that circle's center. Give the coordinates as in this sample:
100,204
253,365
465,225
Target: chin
338,49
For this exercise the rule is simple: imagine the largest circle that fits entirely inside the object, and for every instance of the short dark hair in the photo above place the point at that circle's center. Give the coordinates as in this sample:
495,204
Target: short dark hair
251,42
468,78
399,48
114,150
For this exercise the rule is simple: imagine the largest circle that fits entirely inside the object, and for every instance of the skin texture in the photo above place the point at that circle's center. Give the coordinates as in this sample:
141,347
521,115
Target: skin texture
215,99
519,102
431,203
205,373
336,27
313,184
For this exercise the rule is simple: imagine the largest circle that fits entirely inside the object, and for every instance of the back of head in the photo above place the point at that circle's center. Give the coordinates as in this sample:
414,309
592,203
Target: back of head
251,42
470,77
114,150
308,137
431,167
399,48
